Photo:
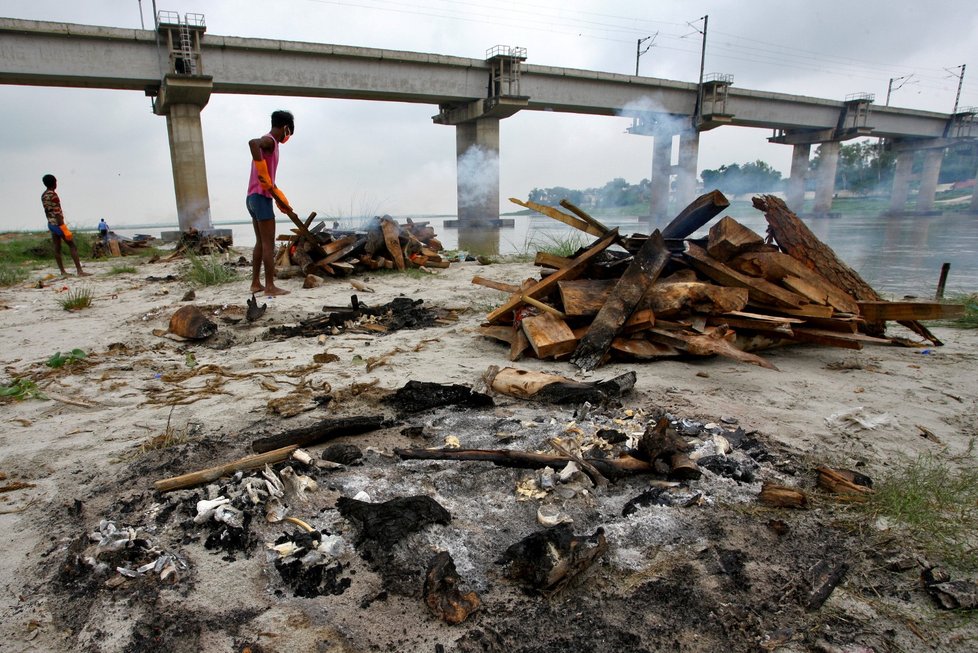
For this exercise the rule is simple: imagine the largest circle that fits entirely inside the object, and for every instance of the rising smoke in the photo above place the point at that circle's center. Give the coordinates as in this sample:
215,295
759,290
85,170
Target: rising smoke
478,180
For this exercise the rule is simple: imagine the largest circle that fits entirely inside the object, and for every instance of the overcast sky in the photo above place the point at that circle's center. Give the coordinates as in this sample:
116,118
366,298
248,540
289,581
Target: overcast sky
353,158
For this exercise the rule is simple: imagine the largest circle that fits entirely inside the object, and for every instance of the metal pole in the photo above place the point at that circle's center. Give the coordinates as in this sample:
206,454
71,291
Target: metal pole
960,82
142,23
699,93
889,88
638,45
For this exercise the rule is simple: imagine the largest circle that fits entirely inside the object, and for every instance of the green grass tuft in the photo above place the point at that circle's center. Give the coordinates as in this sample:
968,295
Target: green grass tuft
121,269
208,271
60,360
20,389
936,505
76,299
970,318
12,274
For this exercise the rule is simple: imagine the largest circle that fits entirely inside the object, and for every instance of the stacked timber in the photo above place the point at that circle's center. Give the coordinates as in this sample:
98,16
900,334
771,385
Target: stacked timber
664,295
384,244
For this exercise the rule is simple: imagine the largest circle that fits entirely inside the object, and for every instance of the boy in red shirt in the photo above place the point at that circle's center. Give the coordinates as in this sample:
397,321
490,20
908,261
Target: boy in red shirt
56,225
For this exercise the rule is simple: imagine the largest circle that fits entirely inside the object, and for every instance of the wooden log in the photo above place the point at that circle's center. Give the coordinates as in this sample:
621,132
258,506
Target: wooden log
775,266
727,238
560,216
780,496
700,211
555,389
194,479
873,311
441,591
645,268
612,468
339,244
546,308
758,290
544,286
822,578
580,297
327,429
548,335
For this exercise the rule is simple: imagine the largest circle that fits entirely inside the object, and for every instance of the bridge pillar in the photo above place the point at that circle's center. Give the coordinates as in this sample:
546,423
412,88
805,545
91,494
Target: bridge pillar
800,154
928,179
477,185
689,148
901,181
181,100
659,182
825,182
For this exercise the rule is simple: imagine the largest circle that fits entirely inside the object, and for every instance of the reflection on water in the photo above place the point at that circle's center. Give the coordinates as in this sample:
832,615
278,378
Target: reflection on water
897,255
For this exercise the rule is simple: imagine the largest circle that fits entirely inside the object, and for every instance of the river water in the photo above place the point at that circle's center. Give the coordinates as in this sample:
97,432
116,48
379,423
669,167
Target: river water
897,255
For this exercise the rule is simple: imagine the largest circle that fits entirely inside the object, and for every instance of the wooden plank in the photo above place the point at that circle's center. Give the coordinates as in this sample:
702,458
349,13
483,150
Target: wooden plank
642,349
584,296
807,290
497,332
547,260
560,216
392,239
700,211
544,286
645,268
808,310
340,253
758,290
583,216
873,311
728,238
775,266
735,322
496,285
339,244
548,335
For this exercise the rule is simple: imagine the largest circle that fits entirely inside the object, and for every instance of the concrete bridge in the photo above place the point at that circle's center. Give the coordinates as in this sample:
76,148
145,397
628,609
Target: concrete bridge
180,67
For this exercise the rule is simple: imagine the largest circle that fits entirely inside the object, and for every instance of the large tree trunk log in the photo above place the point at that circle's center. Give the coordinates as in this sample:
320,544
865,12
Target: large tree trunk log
795,238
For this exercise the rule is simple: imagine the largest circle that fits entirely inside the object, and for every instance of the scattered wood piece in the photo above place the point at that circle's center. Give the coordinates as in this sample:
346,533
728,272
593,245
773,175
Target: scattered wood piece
700,211
844,481
728,238
190,322
441,591
781,496
548,335
560,216
930,435
548,560
822,579
873,311
327,429
555,389
611,468
200,477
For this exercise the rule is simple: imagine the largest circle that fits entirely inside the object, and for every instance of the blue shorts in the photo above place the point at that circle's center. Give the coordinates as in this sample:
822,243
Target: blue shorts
260,207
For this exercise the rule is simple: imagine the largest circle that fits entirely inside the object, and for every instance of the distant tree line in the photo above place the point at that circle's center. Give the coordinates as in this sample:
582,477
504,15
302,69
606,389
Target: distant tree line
864,168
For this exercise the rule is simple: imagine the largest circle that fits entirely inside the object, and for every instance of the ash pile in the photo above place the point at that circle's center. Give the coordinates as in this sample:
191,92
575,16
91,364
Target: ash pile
489,522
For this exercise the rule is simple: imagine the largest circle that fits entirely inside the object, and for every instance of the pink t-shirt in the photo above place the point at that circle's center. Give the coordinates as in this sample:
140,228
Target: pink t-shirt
271,160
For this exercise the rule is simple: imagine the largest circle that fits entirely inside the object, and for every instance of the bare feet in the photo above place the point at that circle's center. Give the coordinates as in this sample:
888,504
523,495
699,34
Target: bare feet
257,287
274,291
82,273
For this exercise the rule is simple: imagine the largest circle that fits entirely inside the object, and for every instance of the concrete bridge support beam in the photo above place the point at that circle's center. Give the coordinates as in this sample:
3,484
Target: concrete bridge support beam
901,181
928,179
659,183
181,101
477,164
800,154
689,149
825,183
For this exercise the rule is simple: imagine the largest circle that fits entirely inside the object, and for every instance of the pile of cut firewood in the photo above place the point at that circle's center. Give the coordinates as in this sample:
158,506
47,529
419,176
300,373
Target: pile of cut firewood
334,252
665,295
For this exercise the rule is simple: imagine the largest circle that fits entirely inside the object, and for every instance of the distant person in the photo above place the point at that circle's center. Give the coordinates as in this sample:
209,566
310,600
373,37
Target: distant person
261,193
56,225
103,230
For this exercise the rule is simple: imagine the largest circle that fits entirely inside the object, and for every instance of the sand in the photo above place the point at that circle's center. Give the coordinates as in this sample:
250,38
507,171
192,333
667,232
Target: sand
84,453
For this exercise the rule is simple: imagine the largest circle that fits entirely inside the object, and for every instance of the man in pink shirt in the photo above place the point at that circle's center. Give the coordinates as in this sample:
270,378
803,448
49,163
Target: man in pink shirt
261,193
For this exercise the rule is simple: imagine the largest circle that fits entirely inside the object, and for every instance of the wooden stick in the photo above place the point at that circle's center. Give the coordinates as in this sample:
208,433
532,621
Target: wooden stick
543,307
213,473
609,467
